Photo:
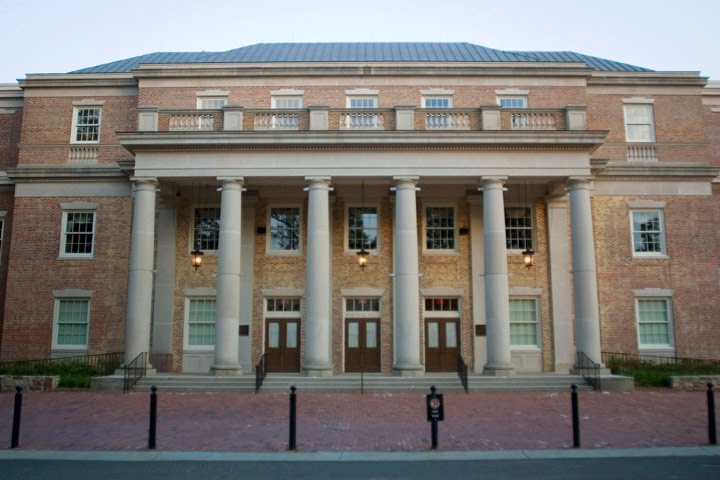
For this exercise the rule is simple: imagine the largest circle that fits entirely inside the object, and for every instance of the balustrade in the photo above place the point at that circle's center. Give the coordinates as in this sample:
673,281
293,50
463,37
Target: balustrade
640,153
447,120
191,121
532,121
276,121
362,121
83,154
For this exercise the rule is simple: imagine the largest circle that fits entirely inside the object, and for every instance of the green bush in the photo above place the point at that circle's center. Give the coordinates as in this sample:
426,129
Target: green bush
72,374
650,374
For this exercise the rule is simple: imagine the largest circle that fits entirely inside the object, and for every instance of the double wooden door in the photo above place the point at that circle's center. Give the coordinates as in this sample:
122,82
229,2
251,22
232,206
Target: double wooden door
442,340
282,344
362,344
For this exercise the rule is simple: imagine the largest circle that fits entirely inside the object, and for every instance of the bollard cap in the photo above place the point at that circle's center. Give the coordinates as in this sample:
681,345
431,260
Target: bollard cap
18,388
292,388
710,386
153,388
433,389
574,387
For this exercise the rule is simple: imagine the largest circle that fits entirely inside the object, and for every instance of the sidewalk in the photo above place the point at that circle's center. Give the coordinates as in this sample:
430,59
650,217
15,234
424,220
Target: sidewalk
340,422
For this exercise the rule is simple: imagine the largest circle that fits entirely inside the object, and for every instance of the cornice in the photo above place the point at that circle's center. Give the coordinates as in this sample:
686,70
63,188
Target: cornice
338,141
653,171
55,80
65,173
647,78
550,69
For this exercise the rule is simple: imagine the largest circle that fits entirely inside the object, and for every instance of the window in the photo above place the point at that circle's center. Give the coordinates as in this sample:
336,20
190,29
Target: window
206,228
523,322
284,229
362,228
201,322
653,317
210,103
357,305
86,125
286,102
518,228
639,124
437,102
362,102
512,102
441,305
72,317
647,233
282,305
440,228
78,234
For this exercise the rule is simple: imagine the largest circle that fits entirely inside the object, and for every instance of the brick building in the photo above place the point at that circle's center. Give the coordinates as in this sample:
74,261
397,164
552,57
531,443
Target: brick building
444,164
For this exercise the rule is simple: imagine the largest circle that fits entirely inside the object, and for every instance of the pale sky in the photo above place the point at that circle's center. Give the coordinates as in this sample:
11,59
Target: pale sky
56,36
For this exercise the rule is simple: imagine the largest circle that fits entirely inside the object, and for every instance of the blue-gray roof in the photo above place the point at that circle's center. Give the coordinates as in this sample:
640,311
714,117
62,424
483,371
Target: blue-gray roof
360,52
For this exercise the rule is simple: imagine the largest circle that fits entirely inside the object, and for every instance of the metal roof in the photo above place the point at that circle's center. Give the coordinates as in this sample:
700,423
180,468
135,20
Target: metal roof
360,52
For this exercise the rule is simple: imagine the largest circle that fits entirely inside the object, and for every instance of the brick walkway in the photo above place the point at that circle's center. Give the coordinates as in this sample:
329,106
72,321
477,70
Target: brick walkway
351,422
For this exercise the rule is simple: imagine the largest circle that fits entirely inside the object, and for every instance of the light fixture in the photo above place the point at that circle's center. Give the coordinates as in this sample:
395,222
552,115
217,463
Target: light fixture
362,254
196,257
528,254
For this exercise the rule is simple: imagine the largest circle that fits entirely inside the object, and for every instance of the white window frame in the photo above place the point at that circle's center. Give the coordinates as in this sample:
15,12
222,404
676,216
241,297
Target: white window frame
374,99
77,208
523,100
211,95
533,243
348,250
440,251
64,296
432,98
192,244
671,337
538,329
441,313
275,99
663,240
76,110
268,230
635,103
186,330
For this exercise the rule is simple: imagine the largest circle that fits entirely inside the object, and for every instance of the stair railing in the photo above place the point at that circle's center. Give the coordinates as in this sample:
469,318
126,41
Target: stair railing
260,372
134,371
462,371
589,370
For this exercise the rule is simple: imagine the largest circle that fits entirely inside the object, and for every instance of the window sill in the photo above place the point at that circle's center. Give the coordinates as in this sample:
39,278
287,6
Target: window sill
82,258
199,349
436,253
650,257
525,349
289,253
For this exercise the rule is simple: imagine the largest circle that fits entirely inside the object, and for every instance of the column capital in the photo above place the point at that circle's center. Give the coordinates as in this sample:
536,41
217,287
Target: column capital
405,182
144,183
240,180
232,183
580,182
492,182
318,181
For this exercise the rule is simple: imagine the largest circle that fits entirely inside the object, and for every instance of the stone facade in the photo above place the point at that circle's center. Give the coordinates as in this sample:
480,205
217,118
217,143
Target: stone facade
570,132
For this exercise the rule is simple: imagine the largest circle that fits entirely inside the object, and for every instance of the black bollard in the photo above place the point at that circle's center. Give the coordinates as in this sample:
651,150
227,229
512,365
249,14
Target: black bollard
712,431
434,433
575,417
15,440
153,418
293,418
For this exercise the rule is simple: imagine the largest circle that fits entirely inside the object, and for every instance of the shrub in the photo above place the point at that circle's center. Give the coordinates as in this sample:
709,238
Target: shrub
72,374
651,374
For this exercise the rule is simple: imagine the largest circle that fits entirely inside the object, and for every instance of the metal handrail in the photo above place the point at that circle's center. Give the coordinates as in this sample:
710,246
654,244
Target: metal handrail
260,372
106,362
134,371
589,370
462,371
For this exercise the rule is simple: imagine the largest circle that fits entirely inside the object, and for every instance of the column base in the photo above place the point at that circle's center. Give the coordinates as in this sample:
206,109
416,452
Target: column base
408,370
317,371
499,371
226,370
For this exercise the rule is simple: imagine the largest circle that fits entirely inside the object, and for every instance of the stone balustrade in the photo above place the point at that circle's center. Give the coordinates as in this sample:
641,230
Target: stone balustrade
83,154
537,120
180,122
642,153
362,120
276,121
447,120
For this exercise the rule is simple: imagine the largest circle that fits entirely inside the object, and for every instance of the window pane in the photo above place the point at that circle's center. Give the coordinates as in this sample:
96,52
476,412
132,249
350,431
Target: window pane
433,340
73,322
440,228
79,229
273,335
87,125
291,340
518,228
285,229
647,232
450,334
207,229
523,322
653,322
371,334
362,228
353,335
201,322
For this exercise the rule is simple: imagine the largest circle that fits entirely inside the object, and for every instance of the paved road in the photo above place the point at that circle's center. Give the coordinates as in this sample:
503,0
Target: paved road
674,464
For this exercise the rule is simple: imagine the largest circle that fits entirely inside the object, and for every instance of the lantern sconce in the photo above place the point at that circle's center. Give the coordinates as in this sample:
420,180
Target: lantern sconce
196,257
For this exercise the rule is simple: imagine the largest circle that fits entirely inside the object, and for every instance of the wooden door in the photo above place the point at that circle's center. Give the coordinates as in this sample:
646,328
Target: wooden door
362,344
282,344
442,340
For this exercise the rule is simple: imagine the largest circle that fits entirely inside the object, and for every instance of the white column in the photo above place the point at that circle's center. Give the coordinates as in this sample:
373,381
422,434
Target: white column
497,306
227,302
317,360
140,276
560,285
585,294
407,283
